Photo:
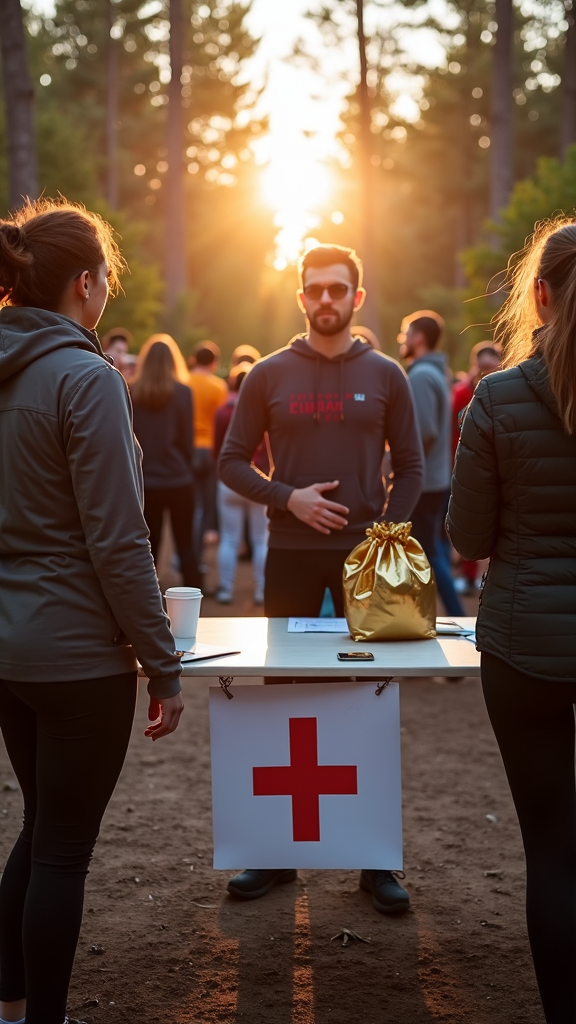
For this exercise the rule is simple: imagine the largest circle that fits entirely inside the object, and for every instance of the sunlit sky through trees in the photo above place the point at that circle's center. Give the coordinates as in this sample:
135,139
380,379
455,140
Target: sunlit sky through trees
303,106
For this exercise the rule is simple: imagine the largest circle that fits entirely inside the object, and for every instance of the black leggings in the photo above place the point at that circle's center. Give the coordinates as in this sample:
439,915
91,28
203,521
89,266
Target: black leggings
534,724
67,743
180,503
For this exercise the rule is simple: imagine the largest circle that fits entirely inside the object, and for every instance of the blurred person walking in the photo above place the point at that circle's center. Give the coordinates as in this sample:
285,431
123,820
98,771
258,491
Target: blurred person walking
234,511
116,344
366,334
514,501
328,403
210,392
164,426
485,358
79,598
419,335
244,354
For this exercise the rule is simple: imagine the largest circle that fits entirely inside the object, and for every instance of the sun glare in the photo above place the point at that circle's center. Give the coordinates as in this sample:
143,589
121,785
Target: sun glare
295,185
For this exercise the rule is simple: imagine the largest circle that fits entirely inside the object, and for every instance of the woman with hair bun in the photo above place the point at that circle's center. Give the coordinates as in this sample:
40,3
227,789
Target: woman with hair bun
164,426
79,598
514,501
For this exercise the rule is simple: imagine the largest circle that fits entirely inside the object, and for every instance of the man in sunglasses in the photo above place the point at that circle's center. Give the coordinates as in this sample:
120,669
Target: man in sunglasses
329,404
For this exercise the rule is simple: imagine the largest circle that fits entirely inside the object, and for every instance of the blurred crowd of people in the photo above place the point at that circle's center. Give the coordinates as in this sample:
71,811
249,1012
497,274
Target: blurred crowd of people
181,415
182,412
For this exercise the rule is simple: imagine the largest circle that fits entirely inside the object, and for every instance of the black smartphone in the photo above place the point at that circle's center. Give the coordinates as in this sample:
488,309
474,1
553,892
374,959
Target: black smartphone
355,656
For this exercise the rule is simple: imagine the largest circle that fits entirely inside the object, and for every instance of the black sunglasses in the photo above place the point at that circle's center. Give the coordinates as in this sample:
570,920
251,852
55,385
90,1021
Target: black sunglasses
335,291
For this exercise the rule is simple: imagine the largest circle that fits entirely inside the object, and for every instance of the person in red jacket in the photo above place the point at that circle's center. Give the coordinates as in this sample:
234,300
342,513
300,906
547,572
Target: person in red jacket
485,358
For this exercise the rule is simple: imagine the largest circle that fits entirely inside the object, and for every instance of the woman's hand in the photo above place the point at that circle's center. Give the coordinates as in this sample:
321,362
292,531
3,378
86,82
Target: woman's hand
164,714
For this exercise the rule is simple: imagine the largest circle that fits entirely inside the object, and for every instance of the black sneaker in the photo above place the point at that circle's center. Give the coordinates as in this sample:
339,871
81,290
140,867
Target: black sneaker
256,882
388,896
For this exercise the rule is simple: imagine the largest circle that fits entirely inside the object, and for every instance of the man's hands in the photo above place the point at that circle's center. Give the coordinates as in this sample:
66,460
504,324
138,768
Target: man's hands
310,505
164,715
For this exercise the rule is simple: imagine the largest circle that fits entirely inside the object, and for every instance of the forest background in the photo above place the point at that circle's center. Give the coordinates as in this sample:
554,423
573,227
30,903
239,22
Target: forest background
439,170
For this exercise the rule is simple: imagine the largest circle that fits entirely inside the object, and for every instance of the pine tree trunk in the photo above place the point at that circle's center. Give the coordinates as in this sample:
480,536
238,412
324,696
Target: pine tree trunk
175,261
501,168
19,100
463,163
369,253
112,108
569,85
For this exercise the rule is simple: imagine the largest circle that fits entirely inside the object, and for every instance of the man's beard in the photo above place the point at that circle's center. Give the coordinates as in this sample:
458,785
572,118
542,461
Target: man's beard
338,321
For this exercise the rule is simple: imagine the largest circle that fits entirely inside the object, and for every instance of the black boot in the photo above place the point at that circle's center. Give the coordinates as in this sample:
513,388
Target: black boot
256,882
388,896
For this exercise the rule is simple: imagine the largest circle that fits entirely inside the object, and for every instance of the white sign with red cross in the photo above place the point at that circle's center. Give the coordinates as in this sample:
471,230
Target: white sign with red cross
306,776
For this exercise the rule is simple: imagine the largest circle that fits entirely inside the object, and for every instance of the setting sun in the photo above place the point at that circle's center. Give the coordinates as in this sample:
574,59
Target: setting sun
295,185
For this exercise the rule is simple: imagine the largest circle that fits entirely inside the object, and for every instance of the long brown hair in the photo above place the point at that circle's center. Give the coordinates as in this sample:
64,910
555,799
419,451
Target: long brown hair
160,363
549,255
46,244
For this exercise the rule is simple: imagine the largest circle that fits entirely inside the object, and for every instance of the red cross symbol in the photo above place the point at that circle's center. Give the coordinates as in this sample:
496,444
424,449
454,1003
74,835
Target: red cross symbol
305,780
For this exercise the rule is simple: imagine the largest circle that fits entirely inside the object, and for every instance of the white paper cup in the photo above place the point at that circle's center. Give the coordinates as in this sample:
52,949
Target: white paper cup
183,607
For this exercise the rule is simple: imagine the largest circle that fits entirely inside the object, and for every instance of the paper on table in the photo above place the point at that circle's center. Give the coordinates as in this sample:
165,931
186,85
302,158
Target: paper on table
318,626
447,627
444,627
470,636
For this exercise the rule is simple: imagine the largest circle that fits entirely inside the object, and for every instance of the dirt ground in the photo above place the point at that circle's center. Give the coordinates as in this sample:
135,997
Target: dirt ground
161,941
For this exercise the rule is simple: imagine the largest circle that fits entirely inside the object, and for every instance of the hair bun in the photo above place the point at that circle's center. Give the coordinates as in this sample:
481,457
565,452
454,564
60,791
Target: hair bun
13,235
15,257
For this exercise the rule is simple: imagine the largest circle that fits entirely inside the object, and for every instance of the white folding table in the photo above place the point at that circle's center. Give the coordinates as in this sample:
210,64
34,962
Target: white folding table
266,648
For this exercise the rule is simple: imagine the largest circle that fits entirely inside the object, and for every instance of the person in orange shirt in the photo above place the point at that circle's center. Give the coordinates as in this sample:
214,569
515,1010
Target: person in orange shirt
210,392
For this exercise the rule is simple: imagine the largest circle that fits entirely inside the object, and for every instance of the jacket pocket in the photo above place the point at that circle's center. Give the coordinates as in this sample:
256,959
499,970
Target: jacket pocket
349,493
117,636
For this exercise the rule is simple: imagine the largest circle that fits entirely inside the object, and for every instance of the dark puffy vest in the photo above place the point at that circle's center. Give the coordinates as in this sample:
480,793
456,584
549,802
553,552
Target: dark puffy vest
514,500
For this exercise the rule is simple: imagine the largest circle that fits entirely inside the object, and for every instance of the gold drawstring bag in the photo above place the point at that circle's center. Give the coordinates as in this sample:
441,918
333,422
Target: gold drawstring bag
389,587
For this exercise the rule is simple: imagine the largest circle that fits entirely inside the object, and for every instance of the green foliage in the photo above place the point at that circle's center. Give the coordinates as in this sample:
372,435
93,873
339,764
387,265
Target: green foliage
64,159
139,304
182,322
551,190
77,53
431,174
229,232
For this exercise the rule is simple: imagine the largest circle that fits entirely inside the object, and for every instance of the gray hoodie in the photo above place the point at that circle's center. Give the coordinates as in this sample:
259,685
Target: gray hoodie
79,598
326,419
429,382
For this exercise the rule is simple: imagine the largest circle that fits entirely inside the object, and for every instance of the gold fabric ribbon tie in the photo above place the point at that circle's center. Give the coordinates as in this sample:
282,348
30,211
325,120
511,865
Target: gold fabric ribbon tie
390,531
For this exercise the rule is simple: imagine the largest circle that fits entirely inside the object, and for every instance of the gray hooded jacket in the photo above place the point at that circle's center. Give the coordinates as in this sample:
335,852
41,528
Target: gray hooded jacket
427,375
326,419
79,598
